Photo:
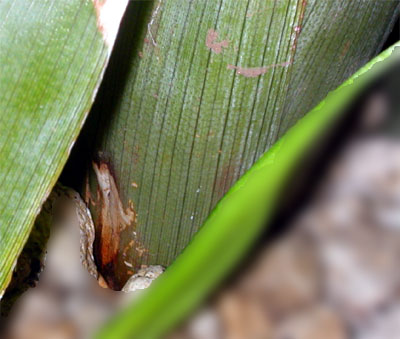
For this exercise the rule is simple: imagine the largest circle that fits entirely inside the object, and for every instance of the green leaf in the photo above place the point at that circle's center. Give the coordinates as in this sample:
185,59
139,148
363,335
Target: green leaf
52,57
238,218
180,118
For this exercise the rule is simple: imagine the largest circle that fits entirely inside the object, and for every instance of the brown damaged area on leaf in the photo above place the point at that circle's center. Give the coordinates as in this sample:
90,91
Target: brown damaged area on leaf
254,72
224,180
212,44
112,220
345,49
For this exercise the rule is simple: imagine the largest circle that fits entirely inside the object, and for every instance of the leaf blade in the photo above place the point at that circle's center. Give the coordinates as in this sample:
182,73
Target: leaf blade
52,57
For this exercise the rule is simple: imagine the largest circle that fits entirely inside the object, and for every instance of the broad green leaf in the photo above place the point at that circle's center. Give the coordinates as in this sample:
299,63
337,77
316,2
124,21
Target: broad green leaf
238,218
52,57
196,92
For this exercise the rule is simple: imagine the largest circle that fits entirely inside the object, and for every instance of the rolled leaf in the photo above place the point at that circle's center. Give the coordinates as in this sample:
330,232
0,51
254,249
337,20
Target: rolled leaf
196,92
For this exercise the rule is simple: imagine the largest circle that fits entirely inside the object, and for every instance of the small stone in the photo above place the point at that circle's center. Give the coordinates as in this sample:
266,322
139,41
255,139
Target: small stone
143,278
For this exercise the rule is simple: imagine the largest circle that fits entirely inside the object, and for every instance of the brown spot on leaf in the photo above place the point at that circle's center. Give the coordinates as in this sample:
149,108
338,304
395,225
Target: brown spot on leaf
212,44
255,71
224,179
345,49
